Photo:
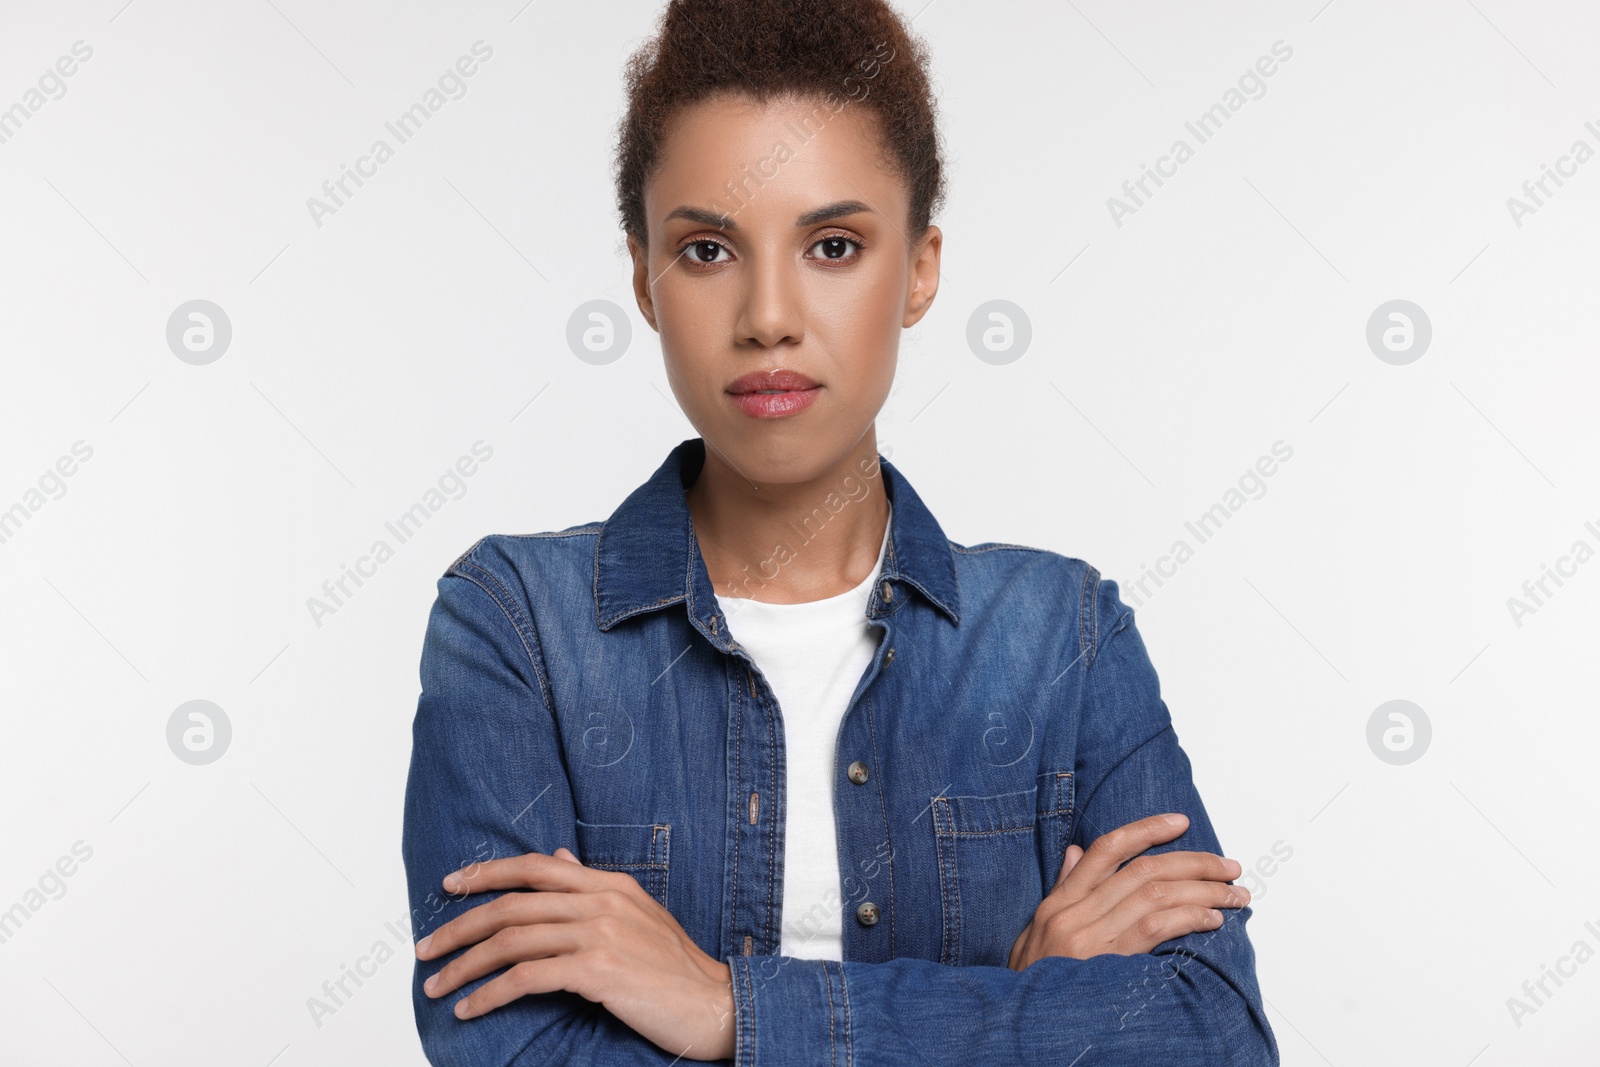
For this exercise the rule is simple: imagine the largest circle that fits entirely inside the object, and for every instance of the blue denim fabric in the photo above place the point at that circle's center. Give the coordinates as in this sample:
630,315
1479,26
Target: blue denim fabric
580,688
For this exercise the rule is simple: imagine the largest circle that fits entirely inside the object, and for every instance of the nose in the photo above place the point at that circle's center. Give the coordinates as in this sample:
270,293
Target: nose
773,308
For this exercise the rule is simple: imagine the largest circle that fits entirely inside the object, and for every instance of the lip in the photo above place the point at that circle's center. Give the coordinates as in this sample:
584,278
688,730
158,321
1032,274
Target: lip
773,394
786,380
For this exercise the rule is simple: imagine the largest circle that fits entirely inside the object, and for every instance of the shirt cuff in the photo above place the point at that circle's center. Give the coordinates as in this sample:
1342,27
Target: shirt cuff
789,1012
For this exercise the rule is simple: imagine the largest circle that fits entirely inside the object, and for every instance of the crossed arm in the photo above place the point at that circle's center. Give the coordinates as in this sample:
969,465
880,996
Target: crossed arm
1121,963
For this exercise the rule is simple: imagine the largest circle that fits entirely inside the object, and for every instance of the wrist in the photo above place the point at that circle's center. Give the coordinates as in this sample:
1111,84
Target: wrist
722,1040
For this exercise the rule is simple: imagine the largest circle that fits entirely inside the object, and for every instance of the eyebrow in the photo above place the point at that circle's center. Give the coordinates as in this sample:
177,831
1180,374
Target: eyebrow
810,218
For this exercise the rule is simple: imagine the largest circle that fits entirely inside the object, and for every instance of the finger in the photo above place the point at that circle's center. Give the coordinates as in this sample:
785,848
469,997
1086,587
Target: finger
1166,925
1098,900
535,870
510,909
566,854
1157,907
1110,850
505,948
1074,854
529,976
1154,874
1171,867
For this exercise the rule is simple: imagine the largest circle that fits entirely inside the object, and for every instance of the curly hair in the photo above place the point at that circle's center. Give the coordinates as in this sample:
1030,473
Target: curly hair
840,52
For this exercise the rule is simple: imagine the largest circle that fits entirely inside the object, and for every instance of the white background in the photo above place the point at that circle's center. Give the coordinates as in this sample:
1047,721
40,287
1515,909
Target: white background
370,352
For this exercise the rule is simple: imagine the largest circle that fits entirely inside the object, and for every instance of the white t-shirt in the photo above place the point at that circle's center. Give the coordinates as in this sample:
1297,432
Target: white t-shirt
813,655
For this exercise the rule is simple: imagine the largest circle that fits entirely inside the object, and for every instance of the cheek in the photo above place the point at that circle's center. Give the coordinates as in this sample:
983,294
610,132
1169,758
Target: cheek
858,324
693,331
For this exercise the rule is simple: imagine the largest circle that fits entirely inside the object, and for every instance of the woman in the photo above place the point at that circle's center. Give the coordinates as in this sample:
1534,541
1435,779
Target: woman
661,864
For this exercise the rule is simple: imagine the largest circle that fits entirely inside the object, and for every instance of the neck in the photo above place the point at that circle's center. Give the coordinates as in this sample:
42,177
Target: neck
790,542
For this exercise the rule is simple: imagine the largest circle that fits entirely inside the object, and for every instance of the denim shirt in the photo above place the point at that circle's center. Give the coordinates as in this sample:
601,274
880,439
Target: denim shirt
580,689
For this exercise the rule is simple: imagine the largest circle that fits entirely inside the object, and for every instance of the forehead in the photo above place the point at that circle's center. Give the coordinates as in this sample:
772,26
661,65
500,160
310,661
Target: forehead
772,160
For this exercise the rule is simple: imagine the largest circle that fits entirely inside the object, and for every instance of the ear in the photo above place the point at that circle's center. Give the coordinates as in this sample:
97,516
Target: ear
641,281
923,285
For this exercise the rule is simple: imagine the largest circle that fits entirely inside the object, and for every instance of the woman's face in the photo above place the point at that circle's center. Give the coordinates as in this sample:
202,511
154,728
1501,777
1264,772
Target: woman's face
778,246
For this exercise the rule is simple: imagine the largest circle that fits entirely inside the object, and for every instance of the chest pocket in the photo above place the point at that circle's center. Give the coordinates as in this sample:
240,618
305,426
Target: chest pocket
640,849
994,852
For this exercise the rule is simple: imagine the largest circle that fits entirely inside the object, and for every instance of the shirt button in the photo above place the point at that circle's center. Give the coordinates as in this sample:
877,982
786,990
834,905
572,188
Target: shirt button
858,772
867,914
888,591
888,657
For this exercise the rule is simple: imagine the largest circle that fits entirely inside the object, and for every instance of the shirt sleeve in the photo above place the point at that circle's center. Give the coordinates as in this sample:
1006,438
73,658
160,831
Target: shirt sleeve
486,781
1194,1000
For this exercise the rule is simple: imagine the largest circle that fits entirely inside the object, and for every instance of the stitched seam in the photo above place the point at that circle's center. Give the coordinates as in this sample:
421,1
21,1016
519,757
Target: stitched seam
649,865
844,992
465,554
772,833
664,834
747,1018
990,796
738,777
996,546
957,571
1065,784
883,807
827,986
1086,613
530,642
579,532
594,583
955,893
950,919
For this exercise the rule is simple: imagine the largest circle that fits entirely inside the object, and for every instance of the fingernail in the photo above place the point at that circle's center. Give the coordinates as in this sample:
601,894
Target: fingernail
1174,820
1217,915
452,882
430,985
422,946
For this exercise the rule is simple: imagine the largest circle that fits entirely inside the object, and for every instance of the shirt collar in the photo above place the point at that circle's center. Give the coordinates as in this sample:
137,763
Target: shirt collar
647,556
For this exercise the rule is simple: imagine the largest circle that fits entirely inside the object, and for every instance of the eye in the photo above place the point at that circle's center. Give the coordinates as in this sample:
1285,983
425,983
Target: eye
836,248
704,251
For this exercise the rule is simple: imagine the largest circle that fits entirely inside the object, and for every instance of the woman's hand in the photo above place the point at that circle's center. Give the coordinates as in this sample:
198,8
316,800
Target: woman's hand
1095,908
595,933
